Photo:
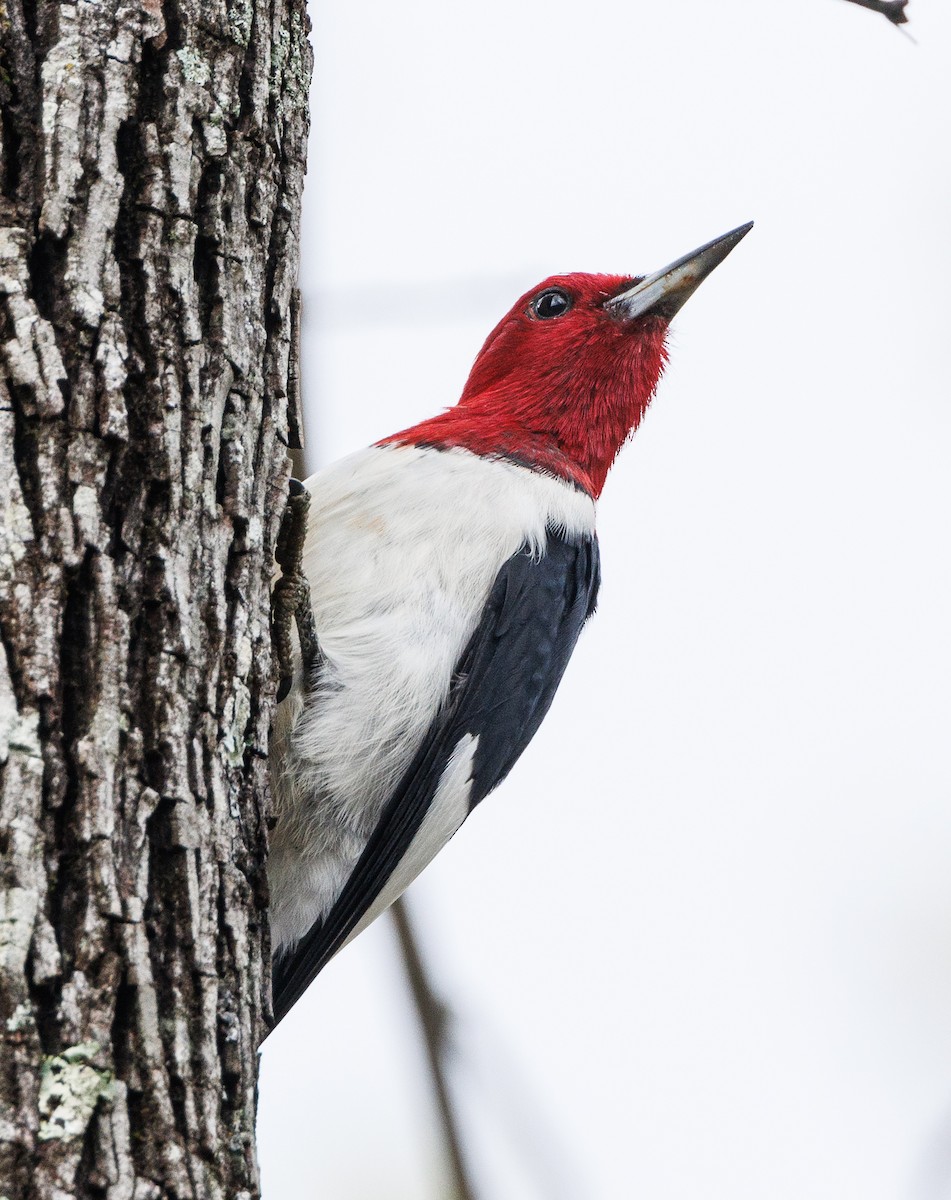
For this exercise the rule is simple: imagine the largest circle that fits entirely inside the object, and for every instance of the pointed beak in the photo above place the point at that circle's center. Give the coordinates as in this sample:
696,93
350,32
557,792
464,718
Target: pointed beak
665,292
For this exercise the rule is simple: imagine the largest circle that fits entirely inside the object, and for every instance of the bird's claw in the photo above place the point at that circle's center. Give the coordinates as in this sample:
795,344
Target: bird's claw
290,598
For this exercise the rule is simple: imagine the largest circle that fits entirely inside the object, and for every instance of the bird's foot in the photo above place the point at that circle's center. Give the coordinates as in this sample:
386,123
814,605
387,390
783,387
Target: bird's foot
290,598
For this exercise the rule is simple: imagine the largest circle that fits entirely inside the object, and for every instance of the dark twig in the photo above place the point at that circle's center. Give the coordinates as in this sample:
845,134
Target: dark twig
893,10
434,1019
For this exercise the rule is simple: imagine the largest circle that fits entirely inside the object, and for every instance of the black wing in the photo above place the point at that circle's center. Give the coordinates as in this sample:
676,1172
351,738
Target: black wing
502,688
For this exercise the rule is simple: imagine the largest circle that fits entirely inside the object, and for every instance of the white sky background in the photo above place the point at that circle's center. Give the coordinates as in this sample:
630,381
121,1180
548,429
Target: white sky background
700,940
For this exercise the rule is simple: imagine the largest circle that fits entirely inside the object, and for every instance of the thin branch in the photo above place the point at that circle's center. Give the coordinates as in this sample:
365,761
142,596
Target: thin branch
434,1019
892,10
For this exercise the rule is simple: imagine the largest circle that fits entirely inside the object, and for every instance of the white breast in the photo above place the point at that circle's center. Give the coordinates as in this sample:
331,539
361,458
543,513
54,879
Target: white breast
403,546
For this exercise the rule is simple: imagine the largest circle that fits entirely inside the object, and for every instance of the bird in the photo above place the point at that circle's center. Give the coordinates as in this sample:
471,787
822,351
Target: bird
440,581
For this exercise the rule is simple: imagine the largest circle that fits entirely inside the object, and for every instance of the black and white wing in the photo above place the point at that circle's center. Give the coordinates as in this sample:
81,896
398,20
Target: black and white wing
502,687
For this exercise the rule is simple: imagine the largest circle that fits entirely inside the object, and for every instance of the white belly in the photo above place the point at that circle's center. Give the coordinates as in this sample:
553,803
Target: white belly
403,546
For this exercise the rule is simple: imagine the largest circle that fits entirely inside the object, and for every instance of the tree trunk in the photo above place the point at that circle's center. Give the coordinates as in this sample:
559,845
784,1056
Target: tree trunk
149,202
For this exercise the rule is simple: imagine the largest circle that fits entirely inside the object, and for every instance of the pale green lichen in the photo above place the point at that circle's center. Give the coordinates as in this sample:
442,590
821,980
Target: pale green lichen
239,16
239,710
19,731
70,1089
21,1018
290,68
194,67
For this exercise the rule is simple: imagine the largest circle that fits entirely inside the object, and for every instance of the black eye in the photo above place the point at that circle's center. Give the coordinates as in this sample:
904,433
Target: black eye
553,303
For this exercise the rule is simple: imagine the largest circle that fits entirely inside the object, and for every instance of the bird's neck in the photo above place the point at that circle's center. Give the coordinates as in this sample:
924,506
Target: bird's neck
570,424
493,434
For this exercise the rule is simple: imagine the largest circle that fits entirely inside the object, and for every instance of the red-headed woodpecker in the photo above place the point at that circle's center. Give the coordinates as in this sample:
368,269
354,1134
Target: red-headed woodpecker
451,569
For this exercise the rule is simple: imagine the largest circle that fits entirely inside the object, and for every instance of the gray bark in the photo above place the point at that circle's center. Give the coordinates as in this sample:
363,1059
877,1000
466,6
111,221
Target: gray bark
153,160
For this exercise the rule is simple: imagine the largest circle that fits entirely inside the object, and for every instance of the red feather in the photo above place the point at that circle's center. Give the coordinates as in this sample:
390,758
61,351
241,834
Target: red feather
561,394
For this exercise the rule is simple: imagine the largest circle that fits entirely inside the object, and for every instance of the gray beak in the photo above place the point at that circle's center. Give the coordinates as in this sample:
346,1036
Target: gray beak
665,292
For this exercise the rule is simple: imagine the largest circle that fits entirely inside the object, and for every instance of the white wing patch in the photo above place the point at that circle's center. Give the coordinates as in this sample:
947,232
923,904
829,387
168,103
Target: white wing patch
445,815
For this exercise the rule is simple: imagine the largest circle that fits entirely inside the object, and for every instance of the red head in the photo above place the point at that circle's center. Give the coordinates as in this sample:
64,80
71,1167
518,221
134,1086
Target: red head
566,376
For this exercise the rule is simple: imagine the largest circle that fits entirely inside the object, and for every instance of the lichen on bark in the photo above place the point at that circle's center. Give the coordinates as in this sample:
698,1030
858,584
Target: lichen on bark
153,162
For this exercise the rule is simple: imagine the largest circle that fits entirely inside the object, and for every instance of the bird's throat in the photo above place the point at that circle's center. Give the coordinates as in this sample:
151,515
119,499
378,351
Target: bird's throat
568,418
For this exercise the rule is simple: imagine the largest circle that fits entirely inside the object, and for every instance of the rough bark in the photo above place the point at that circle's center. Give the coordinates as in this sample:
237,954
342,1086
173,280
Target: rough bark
153,159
